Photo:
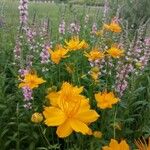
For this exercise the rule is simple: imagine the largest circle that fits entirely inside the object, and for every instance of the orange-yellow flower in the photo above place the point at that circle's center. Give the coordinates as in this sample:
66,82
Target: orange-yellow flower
70,111
105,100
75,44
115,52
58,54
114,145
95,54
142,144
37,117
113,26
31,80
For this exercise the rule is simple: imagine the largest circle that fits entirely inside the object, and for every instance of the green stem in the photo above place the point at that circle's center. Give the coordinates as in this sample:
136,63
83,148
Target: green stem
114,122
107,74
18,134
41,130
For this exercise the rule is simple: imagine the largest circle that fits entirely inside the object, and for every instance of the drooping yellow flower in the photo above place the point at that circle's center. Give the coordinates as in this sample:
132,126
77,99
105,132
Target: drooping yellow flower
113,26
95,72
70,68
37,117
95,54
99,32
70,111
58,54
75,44
106,100
31,80
142,144
115,52
114,145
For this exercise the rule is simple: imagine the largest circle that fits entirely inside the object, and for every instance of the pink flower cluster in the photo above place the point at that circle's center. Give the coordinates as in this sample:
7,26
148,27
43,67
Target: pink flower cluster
17,50
94,28
122,76
27,92
45,56
62,26
31,33
106,10
74,28
23,8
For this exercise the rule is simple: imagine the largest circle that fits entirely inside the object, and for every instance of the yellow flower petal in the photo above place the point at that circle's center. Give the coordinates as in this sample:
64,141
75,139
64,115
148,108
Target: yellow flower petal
124,145
106,148
54,116
53,98
114,144
64,130
79,126
87,116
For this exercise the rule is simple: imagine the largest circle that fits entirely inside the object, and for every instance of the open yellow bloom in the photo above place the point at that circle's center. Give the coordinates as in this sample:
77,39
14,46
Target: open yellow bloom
115,52
58,54
31,80
95,54
37,117
114,145
70,111
75,44
142,144
113,26
105,100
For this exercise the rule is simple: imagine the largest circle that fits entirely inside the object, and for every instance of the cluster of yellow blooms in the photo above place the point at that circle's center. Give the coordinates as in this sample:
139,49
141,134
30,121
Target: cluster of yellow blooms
69,109
75,44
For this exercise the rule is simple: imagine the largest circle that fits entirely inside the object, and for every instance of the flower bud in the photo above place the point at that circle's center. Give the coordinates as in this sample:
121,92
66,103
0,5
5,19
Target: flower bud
97,134
37,117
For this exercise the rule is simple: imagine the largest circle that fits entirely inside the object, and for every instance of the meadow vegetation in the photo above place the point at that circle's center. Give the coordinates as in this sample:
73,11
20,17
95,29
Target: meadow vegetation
86,63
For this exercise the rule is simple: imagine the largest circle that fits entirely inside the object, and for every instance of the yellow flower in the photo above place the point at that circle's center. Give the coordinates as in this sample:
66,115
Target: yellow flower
95,72
75,44
115,52
113,26
142,144
37,117
95,54
31,80
70,111
105,100
67,93
114,145
97,134
58,54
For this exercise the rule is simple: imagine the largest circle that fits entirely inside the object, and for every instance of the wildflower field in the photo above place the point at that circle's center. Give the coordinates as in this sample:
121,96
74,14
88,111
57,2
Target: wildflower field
75,75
